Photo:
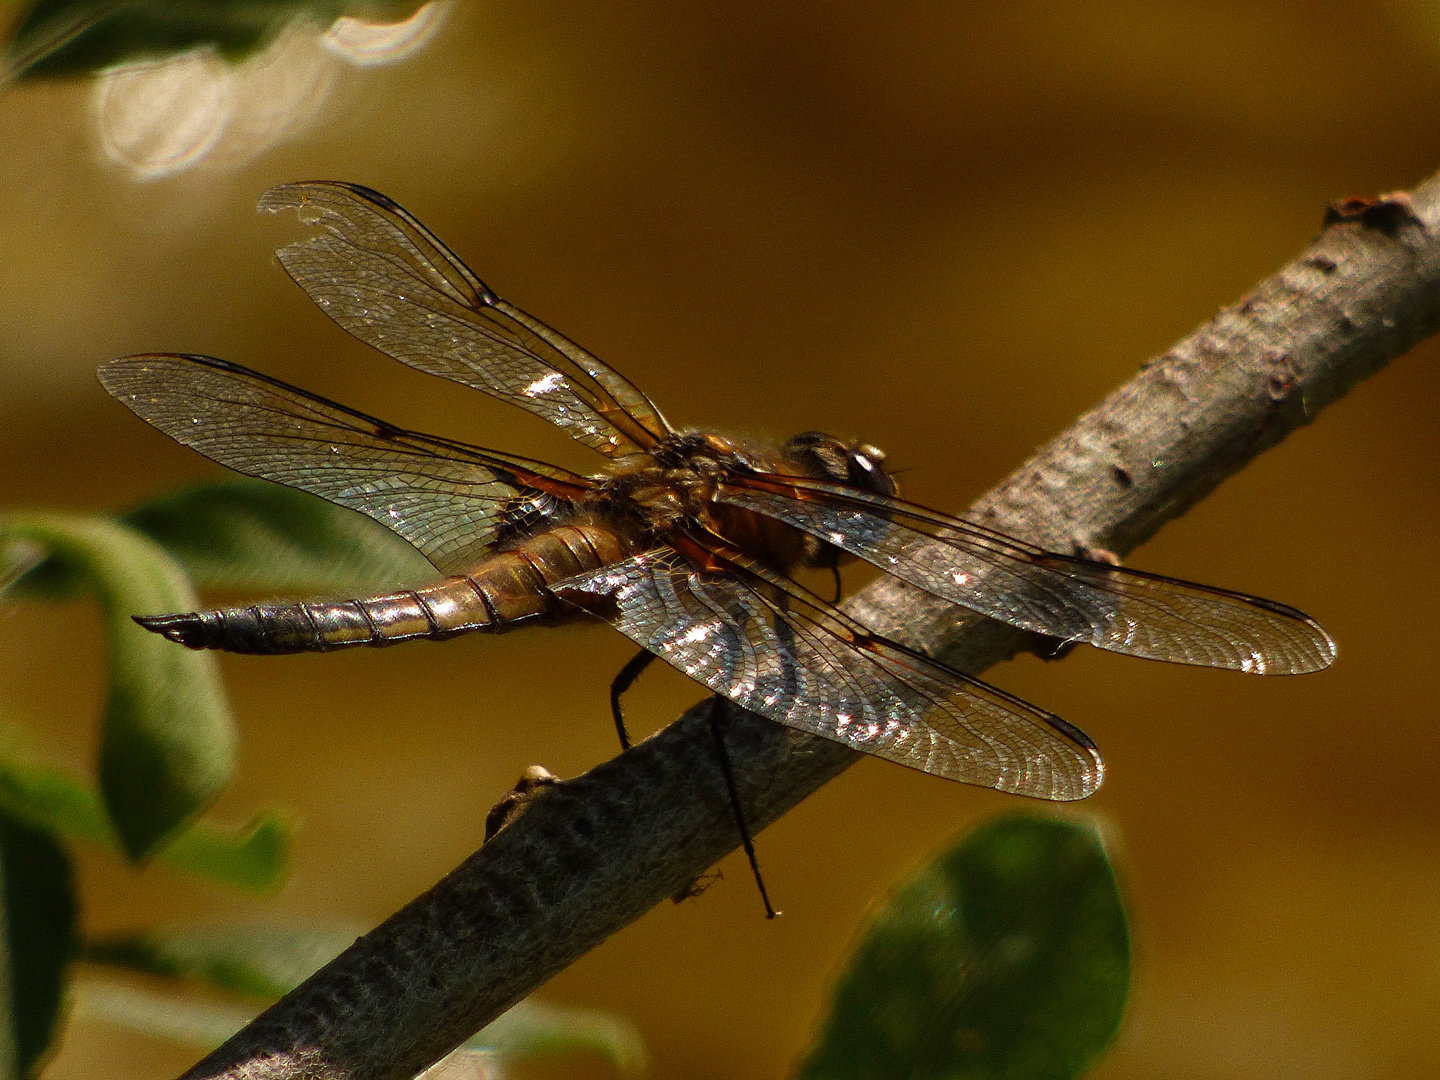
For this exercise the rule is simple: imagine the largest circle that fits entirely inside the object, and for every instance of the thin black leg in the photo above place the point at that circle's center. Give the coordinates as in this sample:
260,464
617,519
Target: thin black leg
628,674
716,703
839,589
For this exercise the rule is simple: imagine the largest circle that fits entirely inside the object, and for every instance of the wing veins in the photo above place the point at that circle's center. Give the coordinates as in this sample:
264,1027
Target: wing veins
372,249
889,655
446,498
1061,595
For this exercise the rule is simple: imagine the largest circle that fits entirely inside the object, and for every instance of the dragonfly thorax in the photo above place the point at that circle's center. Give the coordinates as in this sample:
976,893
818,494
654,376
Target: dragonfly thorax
676,483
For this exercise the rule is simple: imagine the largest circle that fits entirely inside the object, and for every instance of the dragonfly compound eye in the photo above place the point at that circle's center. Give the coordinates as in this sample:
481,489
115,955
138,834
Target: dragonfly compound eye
867,470
827,458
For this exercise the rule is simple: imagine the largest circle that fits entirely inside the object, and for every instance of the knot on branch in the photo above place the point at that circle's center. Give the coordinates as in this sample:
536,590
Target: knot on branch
1386,214
518,799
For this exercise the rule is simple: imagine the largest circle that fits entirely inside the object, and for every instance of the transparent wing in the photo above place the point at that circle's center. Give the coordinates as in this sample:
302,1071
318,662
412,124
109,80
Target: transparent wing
780,652
446,498
388,280
1076,599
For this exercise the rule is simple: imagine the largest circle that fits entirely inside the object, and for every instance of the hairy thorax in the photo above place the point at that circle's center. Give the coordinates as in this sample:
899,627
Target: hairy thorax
675,487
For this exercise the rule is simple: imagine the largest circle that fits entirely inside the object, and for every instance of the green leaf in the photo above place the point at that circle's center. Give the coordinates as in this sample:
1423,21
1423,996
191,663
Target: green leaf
268,960
257,857
537,1031
77,37
18,559
48,798
253,536
258,960
1008,956
205,1024
26,575
168,742
530,1032
40,939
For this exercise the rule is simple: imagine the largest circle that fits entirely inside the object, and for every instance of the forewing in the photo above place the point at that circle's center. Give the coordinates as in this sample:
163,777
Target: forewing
445,498
1110,607
388,280
804,664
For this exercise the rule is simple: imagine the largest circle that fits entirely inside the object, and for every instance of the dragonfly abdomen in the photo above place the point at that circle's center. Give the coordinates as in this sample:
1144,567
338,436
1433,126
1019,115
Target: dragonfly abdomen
508,589
437,611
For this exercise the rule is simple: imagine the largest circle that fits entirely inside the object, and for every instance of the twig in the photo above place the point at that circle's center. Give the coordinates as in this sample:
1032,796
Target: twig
588,856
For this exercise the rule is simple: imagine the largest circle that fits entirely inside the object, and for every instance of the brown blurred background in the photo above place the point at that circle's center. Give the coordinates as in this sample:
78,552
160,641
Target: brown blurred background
947,228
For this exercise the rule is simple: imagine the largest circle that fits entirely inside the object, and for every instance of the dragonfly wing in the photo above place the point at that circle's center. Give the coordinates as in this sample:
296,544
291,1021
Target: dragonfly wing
446,498
804,664
388,280
1074,599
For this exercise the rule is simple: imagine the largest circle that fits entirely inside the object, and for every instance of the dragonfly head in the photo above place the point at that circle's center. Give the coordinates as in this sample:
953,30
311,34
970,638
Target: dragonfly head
825,457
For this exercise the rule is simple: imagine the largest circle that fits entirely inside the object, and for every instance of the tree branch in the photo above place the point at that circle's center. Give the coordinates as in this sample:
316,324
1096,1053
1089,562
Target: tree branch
588,856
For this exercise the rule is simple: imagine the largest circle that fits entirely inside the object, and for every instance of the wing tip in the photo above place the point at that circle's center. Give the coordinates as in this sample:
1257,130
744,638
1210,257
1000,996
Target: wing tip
1060,780
1322,647
1092,764
1328,647
1325,650
280,197
298,193
1315,652
1092,779
110,371
113,374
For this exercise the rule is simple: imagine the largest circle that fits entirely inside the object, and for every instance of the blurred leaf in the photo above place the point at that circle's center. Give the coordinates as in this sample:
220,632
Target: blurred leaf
465,1064
166,1016
40,30
253,536
256,858
1008,956
168,743
268,960
79,37
9,1051
28,576
17,560
51,799
537,1031
258,960
40,939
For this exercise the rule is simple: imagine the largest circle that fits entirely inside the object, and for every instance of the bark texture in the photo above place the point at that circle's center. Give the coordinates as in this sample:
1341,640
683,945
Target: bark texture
587,856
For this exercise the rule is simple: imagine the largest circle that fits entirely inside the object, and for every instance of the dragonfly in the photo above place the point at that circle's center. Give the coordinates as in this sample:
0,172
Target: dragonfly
693,544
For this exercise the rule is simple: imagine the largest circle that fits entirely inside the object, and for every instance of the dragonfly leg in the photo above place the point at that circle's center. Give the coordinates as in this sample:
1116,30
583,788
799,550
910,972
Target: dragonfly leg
628,674
839,589
717,703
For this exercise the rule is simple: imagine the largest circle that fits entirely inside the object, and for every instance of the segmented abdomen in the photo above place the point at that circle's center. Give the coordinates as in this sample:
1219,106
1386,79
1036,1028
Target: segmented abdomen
505,591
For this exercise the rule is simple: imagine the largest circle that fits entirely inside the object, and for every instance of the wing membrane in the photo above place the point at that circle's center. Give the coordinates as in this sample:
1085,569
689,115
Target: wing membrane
780,652
446,498
388,280
1110,607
